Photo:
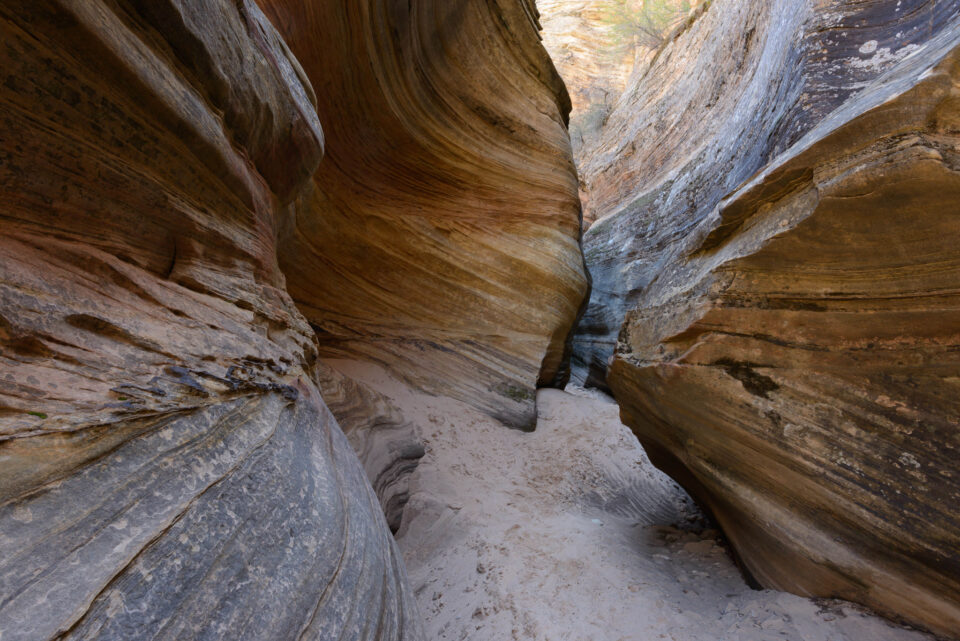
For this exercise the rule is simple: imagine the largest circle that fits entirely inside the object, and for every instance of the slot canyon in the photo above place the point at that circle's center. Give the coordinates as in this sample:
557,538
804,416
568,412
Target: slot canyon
546,320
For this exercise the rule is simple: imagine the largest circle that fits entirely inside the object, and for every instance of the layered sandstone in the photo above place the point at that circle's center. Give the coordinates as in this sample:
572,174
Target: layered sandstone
597,45
784,342
168,468
171,463
581,40
385,441
441,234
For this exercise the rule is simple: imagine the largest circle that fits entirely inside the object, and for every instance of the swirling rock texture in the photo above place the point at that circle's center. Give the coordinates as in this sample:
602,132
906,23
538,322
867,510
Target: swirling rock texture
384,440
441,236
168,469
776,284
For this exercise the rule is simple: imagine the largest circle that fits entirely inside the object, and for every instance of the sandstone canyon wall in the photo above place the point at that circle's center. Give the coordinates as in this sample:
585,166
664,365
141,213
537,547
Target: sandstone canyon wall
579,36
597,45
777,283
580,39
169,467
441,236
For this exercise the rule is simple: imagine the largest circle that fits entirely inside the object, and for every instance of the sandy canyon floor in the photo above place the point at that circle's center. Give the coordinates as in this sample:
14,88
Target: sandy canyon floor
570,534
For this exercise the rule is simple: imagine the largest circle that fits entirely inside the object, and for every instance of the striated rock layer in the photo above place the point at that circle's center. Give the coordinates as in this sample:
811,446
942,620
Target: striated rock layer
168,469
441,236
597,45
384,440
581,39
777,287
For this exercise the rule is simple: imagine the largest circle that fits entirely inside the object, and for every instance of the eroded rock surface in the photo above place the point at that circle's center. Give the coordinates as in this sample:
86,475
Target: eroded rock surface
597,46
386,442
581,40
168,469
784,342
441,236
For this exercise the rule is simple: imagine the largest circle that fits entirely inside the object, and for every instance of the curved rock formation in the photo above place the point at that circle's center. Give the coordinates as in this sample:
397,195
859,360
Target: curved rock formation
384,440
784,342
168,469
441,238
667,156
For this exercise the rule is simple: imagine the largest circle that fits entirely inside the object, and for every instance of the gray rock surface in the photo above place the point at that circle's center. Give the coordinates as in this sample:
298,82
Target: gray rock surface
168,468
776,282
743,83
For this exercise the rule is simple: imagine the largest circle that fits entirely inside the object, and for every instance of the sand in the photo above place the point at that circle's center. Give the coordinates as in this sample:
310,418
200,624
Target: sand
570,534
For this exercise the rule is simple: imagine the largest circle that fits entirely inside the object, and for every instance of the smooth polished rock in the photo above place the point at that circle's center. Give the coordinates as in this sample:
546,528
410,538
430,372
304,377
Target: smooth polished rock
168,468
777,285
441,238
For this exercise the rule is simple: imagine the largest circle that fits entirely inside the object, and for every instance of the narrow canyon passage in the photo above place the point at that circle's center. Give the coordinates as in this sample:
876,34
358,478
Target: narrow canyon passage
570,534
392,320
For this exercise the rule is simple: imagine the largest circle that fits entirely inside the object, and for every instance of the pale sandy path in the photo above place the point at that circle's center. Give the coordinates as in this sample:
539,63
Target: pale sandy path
569,534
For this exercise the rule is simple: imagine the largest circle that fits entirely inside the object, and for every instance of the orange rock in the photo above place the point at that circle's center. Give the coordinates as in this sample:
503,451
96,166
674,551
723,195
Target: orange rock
441,236
777,283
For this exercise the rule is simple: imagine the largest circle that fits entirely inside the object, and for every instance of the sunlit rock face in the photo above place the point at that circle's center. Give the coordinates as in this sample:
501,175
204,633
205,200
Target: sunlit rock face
441,234
776,284
579,38
168,469
594,66
597,45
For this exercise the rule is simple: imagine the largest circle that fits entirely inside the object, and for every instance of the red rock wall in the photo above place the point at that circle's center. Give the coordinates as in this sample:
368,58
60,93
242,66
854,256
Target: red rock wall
168,468
441,238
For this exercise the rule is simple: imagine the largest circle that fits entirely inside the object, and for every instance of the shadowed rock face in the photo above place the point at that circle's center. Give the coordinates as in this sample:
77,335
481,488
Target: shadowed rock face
384,440
168,469
441,236
784,342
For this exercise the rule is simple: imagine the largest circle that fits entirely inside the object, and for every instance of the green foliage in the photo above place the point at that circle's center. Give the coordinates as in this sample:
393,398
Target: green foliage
642,23
37,414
